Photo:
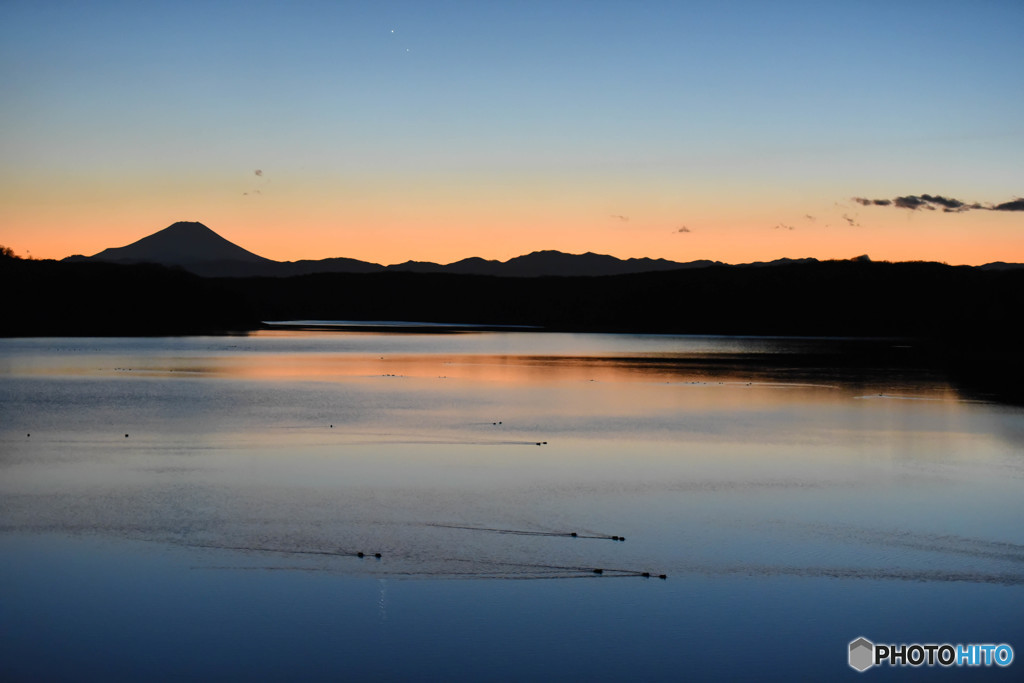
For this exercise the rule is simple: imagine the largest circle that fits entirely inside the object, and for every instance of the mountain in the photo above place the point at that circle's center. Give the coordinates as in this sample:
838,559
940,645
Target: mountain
199,250
181,244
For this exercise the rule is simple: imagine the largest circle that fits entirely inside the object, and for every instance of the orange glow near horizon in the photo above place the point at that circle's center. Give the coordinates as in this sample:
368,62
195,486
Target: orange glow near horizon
445,234
445,219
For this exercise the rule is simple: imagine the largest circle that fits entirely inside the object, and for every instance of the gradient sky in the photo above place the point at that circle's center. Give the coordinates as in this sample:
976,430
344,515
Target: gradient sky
390,130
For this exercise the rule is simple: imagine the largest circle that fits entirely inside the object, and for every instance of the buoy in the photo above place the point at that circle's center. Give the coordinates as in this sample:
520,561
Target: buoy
377,555
646,575
359,554
126,436
573,534
662,576
615,538
599,571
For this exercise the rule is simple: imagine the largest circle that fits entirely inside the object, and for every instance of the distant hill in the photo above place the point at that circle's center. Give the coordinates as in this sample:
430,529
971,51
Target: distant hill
550,263
1001,265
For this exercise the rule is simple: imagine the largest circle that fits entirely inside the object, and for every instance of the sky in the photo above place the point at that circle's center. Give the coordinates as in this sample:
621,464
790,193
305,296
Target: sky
438,130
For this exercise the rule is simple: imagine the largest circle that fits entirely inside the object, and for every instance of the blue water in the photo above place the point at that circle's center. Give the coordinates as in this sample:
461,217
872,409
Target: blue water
793,508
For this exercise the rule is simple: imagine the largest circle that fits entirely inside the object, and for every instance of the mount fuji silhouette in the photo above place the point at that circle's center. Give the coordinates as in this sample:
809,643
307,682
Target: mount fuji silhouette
196,248
181,244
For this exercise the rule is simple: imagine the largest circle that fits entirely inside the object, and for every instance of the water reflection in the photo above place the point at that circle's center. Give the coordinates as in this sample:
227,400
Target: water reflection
499,456
309,437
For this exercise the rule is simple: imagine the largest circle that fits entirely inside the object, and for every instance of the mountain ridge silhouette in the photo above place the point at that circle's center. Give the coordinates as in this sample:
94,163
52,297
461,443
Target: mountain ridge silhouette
198,249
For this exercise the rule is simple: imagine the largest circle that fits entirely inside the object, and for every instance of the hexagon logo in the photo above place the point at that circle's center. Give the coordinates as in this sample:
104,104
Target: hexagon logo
862,654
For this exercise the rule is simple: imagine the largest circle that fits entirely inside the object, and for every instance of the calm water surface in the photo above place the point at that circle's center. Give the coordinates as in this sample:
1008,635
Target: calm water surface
194,507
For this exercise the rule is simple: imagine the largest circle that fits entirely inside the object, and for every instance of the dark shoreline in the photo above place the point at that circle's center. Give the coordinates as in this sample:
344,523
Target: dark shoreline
833,298
958,319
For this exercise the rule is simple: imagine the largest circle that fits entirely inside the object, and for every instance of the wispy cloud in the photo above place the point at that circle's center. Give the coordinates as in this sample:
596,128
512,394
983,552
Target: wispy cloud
683,228
783,226
624,219
931,202
261,182
872,202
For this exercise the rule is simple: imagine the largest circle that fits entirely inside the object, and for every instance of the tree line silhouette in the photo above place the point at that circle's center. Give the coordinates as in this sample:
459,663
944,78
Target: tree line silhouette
963,316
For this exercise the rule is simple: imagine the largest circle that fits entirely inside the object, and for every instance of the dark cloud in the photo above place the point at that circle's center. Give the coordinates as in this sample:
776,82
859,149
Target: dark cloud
1015,205
944,202
852,221
684,229
258,172
783,226
913,203
932,202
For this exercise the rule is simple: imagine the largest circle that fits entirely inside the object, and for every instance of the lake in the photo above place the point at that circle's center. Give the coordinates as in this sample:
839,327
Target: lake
196,508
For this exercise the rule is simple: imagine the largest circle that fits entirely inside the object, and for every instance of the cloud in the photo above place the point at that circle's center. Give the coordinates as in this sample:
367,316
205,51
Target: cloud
933,202
1015,205
913,203
683,229
783,226
944,202
852,221
258,172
